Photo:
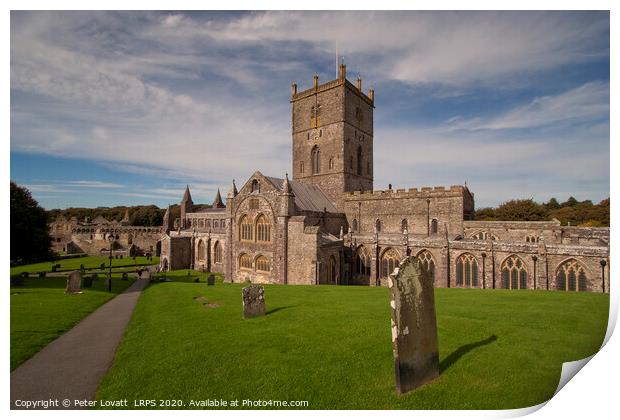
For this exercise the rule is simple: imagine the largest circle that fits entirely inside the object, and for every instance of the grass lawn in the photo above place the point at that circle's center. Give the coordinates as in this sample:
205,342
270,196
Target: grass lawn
41,311
74,264
331,346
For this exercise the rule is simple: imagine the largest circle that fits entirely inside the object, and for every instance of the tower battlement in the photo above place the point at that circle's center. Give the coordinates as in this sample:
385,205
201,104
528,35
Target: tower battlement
340,81
423,192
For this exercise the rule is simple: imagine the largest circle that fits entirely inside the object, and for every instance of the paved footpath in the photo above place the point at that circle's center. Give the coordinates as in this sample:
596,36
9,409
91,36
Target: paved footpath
71,367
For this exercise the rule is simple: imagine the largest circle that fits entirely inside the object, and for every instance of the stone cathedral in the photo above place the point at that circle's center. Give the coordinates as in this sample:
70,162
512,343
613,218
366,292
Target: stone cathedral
327,225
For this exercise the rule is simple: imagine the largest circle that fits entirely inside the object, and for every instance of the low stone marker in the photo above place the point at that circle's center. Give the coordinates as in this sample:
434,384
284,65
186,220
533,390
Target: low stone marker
17,281
414,326
87,282
211,280
74,282
253,301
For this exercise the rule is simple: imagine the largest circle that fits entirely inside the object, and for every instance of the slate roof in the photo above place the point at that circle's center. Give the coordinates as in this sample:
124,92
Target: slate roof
307,197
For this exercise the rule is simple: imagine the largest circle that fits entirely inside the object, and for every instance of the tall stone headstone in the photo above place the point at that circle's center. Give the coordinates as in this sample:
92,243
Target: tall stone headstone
74,282
211,280
253,301
414,326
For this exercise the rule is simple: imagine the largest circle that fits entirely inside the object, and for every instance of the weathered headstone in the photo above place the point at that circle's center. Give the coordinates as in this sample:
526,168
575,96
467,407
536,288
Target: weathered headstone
253,301
196,280
102,266
106,284
414,326
54,267
82,267
17,281
87,282
125,276
74,282
211,280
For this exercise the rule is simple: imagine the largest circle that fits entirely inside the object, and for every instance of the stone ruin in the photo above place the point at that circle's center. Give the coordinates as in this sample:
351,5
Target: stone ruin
414,326
253,301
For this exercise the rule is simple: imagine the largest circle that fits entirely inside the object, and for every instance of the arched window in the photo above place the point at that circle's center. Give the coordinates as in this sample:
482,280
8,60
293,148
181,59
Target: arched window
571,276
217,253
354,225
428,263
316,160
245,262
404,226
467,271
201,251
245,229
434,226
389,261
362,263
514,273
531,239
255,186
263,229
262,264
208,223
216,224
378,225
332,270
359,160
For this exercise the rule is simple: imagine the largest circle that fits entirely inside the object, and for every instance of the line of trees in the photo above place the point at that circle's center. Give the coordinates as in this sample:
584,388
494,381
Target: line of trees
572,211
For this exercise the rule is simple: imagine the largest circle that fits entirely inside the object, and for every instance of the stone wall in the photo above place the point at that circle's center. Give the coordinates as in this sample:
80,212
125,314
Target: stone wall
417,207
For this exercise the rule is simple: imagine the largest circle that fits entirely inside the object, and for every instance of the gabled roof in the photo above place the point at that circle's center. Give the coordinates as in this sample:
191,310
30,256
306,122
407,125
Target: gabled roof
100,220
307,197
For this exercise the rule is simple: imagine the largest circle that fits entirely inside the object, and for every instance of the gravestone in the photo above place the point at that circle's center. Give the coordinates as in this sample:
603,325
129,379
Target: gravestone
253,301
87,282
42,274
17,281
211,280
81,267
414,326
102,266
196,280
125,276
73,282
106,284
54,268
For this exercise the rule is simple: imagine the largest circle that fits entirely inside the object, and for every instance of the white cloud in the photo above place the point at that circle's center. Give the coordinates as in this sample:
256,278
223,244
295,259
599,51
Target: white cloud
586,102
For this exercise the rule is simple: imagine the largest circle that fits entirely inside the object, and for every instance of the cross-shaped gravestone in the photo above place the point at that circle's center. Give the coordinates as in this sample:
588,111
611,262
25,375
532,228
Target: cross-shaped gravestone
414,326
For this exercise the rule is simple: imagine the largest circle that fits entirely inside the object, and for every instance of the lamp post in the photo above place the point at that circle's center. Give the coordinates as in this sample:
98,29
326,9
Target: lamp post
111,240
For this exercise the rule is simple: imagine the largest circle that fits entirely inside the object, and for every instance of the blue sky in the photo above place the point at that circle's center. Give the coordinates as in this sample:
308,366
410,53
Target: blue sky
114,108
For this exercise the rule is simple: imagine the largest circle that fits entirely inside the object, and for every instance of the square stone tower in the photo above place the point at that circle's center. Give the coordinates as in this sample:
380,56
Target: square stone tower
333,136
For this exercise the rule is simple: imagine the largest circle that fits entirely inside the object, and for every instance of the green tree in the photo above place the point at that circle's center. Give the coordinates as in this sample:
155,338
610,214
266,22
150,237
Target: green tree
30,239
552,204
526,210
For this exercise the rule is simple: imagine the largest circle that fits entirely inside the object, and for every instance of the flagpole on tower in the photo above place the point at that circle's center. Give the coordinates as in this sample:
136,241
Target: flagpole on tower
336,59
